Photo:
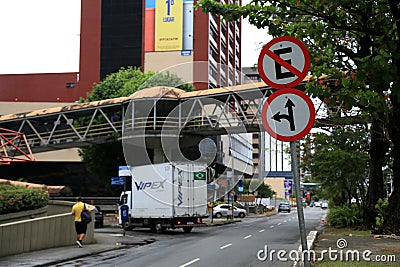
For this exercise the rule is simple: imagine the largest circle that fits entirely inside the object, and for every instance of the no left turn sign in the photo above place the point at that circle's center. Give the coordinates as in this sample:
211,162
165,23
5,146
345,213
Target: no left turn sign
283,62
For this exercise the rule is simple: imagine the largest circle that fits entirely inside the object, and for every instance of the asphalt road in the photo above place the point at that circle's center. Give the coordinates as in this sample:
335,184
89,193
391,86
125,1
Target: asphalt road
252,242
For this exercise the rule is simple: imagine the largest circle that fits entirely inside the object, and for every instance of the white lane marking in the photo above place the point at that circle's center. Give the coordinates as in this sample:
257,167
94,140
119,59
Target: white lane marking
247,237
271,226
262,230
190,262
227,245
279,223
240,226
285,221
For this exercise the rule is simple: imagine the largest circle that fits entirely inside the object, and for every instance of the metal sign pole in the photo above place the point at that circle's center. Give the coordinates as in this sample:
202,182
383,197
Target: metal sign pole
123,226
299,202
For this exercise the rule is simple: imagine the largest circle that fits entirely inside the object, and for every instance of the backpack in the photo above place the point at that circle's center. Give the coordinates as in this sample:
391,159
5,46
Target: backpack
85,215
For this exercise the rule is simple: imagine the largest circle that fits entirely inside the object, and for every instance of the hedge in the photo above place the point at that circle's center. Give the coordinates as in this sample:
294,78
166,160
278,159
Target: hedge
345,215
17,198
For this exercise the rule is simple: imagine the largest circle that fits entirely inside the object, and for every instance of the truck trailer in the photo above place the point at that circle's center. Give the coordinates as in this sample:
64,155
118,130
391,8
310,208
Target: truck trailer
166,195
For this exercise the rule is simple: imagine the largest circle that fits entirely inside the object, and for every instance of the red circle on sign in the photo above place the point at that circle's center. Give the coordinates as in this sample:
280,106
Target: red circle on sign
301,74
306,129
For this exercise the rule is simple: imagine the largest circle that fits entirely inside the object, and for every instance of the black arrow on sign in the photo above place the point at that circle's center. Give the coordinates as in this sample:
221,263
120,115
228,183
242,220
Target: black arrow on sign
289,117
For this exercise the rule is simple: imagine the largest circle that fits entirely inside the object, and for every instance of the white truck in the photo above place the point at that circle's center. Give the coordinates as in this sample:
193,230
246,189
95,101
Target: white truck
166,195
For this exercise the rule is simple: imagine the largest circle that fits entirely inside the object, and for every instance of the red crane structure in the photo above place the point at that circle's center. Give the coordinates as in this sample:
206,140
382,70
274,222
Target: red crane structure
12,146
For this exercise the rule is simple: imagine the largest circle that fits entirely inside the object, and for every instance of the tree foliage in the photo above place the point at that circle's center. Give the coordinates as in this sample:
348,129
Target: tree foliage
339,161
354,46
128,80
263,191
103,160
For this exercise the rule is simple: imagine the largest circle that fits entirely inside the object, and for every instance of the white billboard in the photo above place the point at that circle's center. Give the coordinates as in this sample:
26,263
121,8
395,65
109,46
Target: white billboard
39,36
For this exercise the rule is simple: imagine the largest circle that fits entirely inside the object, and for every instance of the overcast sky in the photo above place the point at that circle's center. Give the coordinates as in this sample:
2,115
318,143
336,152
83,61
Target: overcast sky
55,47
252,41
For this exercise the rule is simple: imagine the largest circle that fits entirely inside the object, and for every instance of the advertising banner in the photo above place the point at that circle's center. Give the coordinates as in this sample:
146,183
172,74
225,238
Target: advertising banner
168,25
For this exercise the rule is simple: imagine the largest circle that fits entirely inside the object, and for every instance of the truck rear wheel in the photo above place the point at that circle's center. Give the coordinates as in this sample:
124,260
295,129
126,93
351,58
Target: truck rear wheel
158,228
187,229
128,226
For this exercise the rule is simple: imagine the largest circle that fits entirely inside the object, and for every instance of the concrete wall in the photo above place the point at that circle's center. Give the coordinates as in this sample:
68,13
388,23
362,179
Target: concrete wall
59,206
23,215
41,233
53,207
276,184
160,61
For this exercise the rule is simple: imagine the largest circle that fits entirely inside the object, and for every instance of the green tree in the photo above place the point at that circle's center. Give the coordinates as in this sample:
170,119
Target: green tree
355,46
339,161
103,160
263,191
128,80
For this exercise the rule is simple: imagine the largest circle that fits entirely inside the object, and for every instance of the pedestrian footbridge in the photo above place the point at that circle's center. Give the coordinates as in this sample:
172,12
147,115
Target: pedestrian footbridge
151,112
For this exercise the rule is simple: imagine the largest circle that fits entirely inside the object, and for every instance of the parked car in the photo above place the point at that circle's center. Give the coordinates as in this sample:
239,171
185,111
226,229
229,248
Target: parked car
283,206
98,217
324,205
317,204
221,210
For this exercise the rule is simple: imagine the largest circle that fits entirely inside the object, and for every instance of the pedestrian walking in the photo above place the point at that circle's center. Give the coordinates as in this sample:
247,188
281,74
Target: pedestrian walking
80,226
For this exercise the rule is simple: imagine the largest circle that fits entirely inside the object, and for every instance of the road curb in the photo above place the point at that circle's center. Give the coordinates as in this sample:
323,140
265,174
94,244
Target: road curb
311,237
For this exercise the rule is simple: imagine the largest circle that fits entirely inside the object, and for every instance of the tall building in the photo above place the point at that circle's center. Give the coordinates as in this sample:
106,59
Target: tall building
175,33
251,74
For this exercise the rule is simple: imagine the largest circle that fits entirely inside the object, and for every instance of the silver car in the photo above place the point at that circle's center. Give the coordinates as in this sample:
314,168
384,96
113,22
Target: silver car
324,205
221,210
283,206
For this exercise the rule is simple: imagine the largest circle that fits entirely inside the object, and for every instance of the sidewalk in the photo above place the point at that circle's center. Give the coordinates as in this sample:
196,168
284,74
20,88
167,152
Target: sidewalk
103,242
49,257
350,247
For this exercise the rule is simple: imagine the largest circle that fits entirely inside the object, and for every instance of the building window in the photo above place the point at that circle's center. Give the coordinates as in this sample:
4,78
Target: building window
214,52
213,32
223,29
231,60
241,148
211,84
223,47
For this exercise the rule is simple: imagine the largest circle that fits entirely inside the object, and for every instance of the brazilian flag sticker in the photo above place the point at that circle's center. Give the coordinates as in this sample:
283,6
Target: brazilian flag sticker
199,175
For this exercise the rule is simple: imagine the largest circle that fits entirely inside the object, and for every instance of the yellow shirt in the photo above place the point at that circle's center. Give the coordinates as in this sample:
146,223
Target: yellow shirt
77,210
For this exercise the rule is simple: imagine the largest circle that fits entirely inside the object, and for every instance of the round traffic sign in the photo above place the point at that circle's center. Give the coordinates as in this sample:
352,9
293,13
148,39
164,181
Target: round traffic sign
288,114
283,62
